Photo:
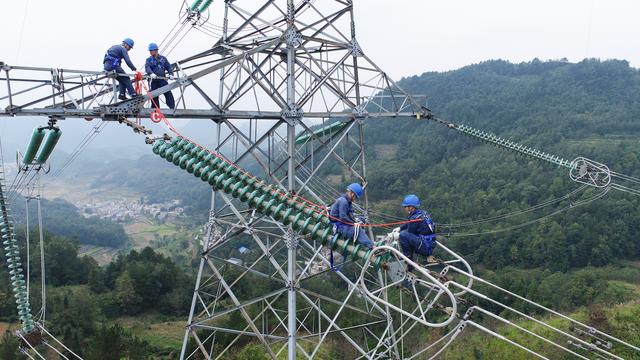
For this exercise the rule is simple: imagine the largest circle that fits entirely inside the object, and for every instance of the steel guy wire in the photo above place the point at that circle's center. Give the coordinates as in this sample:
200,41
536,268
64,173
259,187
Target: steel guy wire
95,131
626,189
521,225
516,212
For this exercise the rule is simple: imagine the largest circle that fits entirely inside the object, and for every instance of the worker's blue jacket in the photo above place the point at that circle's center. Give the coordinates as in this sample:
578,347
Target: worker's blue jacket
425,227
341,213
114,56
159,66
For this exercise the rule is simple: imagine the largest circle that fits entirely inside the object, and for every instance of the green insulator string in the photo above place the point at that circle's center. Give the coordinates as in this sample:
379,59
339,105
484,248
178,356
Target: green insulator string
12,254
513,146
266,199
195,5
205,5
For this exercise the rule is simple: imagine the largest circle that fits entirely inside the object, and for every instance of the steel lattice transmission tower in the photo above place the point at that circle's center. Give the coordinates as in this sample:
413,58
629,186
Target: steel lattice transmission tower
295,66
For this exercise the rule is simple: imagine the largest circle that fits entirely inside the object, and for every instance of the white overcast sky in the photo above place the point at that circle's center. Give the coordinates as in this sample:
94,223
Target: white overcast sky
404,37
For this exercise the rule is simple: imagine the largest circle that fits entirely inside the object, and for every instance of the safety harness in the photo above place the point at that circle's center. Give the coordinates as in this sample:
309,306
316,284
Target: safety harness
114,61
430,237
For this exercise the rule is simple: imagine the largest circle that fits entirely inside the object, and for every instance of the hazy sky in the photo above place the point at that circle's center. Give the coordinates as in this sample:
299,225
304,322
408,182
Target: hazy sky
404,37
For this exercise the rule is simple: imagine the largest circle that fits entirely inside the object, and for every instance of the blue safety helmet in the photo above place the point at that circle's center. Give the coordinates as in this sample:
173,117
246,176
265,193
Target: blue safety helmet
411,200
153,46
128,41
356,189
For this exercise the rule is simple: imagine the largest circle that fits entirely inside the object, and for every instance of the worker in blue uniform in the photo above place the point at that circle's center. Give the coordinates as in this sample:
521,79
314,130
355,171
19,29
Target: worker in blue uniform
159,68
418,235
341,215
112,61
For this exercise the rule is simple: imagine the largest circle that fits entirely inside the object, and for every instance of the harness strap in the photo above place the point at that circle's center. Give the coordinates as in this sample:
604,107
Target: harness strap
331,262
426,237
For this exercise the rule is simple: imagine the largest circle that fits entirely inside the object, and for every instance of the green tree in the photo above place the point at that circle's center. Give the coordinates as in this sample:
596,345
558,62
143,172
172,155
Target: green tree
129,300
9,347
115,343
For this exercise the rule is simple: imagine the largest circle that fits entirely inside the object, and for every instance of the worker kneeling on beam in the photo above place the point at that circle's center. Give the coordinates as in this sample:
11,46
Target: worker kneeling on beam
159,69
344,223
418,235
112,60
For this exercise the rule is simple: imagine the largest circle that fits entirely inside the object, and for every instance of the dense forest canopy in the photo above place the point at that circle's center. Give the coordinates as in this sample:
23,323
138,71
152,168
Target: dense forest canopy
586,109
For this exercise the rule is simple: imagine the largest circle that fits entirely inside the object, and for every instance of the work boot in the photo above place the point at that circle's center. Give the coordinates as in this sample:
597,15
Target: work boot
122,97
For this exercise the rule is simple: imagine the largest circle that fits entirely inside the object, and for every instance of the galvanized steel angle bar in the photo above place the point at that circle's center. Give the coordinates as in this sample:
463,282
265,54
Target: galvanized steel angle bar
206,97
331,22
248,269
284,326
326,76
244,304
243,332
248,21
343,133
321,80
247,143
259,141
258,241
327,20
269,89
268,26
270,42
243,312
54,94
528,317
238,337
332,324
302,274
338,302
344,278
24,90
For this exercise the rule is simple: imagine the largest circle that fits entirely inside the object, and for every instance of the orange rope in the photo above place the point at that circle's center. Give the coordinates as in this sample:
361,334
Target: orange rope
314,207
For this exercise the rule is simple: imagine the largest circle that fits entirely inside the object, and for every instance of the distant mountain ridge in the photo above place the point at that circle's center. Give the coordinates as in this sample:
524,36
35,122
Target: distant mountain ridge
590,108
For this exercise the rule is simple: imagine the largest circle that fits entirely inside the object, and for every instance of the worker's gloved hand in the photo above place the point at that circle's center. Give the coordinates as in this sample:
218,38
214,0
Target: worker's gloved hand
171,77
361,220
396,230
392,237
153,76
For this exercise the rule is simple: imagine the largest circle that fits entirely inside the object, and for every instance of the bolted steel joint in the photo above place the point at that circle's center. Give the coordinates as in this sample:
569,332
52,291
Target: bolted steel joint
127,107
292,38
292,116
291,240
468,313
359,111
355,48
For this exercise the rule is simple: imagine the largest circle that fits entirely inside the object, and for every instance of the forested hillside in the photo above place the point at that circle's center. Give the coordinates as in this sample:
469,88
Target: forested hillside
64,219
586,109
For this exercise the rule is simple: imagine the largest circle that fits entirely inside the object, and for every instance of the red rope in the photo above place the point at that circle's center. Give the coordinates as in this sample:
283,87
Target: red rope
314,207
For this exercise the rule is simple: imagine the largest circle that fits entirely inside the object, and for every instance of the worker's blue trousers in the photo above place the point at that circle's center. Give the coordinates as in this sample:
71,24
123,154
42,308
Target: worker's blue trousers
347,232
124,82
168,96
416,244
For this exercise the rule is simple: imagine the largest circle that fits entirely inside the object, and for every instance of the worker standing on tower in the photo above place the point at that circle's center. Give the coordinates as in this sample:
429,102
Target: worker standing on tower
341,215
159,68
418,235
112,61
